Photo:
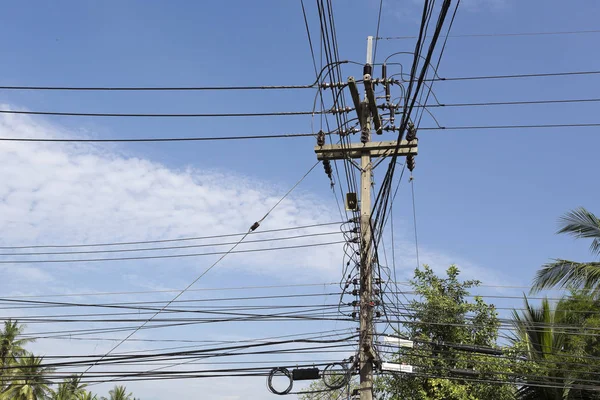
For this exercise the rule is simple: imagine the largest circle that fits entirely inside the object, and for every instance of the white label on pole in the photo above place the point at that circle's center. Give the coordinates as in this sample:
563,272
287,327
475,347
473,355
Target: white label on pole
397,367
398,342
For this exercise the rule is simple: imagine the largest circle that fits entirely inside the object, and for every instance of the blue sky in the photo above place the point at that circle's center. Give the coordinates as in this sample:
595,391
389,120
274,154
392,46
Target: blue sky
488,200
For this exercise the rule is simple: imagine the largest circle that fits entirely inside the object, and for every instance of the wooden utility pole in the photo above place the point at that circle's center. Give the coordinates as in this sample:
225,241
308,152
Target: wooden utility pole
367,116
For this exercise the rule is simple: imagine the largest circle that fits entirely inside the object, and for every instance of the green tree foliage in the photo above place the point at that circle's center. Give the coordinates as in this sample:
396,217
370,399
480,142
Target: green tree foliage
119,393
70,389
443,320
558,344
322,392
23,376
29,380
87,396
581,224
11,347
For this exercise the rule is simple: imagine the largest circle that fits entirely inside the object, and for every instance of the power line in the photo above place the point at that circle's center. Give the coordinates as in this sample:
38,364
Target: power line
501,34
534,75
170,255
510,103
232,249
275,239
176,290
583,125
377,32
178,139
163,115
315,313
138,304
172,88
168,240
113,358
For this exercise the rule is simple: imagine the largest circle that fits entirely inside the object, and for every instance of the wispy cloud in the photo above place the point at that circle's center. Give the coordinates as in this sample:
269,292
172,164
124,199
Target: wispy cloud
410,11
54,193
484,5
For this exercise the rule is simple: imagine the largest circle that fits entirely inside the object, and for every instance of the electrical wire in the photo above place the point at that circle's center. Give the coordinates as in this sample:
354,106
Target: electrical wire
515,76
377,32
166,115
511,103
53,261
167,240
274,239
412,189
173,88
174,290
174,139
501,34
534,126
252,228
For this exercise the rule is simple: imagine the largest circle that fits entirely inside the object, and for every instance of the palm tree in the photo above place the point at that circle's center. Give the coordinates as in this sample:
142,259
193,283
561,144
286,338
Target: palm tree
86,396
10,348
119,393
564,273
28,382
70,389
553,369
534,331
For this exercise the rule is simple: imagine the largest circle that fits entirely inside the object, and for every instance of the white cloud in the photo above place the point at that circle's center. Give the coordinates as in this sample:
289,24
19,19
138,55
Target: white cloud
481,5
412,11
82,194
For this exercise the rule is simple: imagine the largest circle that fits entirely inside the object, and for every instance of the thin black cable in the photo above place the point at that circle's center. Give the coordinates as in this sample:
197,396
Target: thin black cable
320,94
383,194
430,87
166,240
510,103
177,139
583,125
473,359
190,88
330,51
254,226
168,255
500,34
175,290
377,34
203,343
515,76
517,376
302,314
137,305
275,239
113,358
412,188
166,115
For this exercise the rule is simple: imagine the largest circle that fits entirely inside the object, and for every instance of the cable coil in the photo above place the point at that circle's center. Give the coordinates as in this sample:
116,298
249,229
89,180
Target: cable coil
285,372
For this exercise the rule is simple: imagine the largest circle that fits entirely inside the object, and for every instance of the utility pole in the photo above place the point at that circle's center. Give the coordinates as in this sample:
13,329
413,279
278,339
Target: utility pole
367,116
366,273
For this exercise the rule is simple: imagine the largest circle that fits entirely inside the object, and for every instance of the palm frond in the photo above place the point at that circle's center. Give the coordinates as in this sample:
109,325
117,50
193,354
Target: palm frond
534,327
582,224
567,274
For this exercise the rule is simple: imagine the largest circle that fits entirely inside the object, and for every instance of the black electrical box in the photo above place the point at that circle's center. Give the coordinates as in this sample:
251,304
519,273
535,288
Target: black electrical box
304,374
351,202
